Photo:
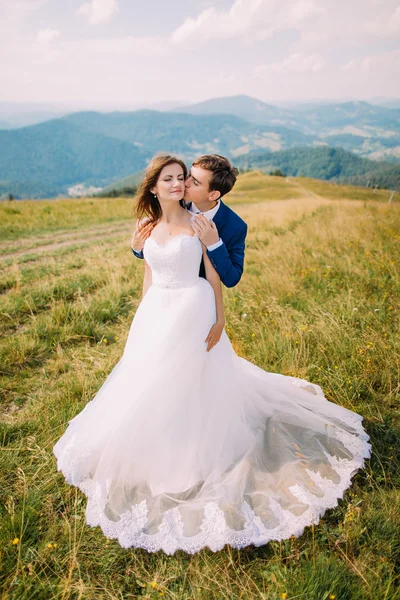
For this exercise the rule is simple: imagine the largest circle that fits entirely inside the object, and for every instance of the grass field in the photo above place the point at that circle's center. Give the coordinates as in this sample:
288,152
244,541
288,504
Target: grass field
319,299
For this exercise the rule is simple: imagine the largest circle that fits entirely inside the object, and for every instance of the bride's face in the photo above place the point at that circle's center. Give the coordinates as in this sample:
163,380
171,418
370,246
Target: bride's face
170,185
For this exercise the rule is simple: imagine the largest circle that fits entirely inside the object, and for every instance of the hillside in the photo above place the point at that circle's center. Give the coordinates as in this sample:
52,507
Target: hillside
319,118
326,164
248,108
331,164
132,181
43,160
186,134
98,149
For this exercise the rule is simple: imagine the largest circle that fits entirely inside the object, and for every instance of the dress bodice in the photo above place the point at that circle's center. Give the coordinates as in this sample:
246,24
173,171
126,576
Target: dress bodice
175,263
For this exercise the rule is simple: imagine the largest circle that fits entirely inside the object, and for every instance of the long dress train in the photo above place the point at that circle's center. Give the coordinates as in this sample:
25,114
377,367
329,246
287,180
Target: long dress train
183,448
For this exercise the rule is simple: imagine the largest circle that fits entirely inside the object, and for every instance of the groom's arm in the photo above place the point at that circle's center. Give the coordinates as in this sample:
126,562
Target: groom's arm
137,254
228,260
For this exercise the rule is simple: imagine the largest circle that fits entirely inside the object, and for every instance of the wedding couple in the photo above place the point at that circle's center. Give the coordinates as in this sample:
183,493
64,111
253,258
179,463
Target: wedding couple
186,445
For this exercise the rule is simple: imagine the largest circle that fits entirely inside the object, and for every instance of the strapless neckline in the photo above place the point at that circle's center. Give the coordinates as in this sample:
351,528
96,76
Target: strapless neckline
179,235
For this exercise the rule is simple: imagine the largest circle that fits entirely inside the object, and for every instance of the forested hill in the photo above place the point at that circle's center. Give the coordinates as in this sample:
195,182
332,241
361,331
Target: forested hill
331,164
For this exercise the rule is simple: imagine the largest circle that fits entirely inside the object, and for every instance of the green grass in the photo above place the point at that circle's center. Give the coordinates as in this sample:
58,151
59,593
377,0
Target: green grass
335,191
319,299
256,186
29,218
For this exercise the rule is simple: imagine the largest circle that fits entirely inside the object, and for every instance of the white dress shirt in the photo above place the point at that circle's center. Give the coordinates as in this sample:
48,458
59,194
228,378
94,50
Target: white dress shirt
209,214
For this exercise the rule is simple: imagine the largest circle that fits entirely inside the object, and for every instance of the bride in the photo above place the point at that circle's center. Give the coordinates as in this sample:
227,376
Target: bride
187,445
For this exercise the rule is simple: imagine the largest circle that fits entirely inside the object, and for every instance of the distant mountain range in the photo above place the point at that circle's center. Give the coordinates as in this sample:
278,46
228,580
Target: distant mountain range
314,116
388,102
370,131
99,149
22,114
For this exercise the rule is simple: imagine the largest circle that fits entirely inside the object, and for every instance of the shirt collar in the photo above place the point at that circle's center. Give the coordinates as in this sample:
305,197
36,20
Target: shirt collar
209,214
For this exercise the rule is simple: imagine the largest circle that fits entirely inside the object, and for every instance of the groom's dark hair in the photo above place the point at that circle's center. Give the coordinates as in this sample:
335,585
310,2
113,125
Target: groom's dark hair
223,174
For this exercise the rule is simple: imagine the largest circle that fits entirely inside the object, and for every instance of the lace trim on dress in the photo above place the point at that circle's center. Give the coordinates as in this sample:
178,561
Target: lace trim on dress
214,531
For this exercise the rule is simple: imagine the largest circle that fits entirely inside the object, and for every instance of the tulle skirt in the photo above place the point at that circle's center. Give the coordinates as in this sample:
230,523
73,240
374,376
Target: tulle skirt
183,448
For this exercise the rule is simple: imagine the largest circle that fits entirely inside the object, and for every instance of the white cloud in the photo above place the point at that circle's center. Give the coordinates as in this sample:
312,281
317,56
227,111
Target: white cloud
353,63
385,24
350,25
212,23
385,61
251,19
297,62
124,47
21,7
303,49
14,14
98,11
47,35
302,10
316,23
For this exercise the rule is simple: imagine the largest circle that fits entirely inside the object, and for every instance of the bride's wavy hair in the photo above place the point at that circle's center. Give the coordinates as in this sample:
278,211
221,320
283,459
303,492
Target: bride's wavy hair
145,204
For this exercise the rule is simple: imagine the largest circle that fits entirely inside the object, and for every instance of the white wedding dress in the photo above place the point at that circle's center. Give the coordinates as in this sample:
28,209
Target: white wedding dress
183,448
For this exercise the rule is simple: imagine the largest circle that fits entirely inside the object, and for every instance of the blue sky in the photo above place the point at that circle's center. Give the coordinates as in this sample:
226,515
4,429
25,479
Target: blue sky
125,53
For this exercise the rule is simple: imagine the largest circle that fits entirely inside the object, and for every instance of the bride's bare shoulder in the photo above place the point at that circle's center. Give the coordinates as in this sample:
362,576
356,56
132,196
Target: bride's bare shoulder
187,221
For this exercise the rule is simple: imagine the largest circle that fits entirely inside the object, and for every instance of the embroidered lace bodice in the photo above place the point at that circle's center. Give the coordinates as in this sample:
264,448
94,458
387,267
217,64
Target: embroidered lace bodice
175,263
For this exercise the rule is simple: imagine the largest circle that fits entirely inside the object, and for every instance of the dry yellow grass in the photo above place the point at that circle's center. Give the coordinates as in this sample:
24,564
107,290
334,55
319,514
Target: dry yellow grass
319,299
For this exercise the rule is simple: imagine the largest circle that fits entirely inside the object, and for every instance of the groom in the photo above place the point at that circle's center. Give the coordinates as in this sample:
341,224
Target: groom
220,229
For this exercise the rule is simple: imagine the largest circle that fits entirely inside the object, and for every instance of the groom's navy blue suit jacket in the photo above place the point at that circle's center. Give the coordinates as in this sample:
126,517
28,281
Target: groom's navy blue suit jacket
227,259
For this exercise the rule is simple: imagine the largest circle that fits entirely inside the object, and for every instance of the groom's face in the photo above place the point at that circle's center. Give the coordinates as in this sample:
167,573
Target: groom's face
197,186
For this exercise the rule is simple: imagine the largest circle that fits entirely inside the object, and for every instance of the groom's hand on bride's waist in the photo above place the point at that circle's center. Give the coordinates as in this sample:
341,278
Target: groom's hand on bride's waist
205,230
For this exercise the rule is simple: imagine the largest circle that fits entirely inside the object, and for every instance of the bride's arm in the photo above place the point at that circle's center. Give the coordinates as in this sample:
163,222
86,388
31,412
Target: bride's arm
214,279
147,279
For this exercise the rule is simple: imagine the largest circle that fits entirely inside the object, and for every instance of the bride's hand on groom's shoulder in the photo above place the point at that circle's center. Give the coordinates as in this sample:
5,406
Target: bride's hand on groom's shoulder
214,335
142,231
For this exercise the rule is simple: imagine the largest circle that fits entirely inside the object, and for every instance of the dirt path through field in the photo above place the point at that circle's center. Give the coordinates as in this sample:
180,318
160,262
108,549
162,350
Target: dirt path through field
307,192
61,239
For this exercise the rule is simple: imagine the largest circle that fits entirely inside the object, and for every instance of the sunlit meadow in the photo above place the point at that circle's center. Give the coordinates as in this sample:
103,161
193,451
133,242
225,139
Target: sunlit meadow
319,299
